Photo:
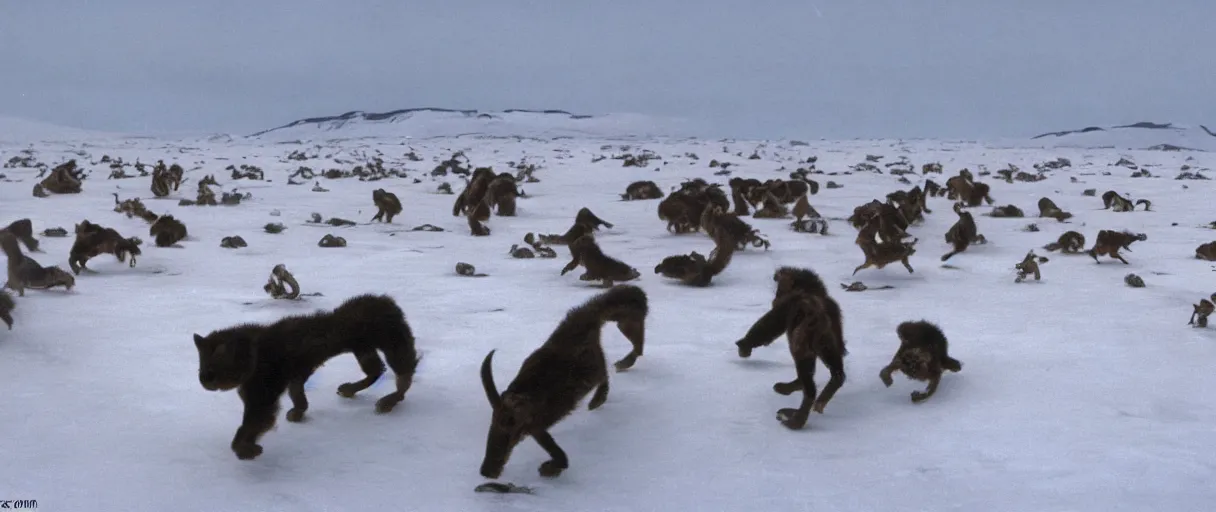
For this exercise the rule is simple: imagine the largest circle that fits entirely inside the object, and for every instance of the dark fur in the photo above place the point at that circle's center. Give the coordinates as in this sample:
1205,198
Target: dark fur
387,205
264,361
740,191
1071,242
963,233
1206,251
878,253
1109,242
585,222
23,229
715,218
474,193
1048,208
1029,266
93,240
922,355
555,378
167,230
501,195
1199,318
812,324
693,269
599,266
6,309
639,190
24,272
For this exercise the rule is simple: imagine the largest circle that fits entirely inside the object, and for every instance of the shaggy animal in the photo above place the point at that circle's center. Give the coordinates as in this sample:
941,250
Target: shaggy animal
922,355
6,309
167,230
474,192
23,229
282,285
1206,251
63,179
387,205
233,242
740,191
785,191
585,222
93,240
772,209
1109,242
1071,242
330,241
932,189
263,361
891,224
133,207
598,266
1199,318
963,233
24,272
1007,211
683,208
693,269
1115,202
879,254
715,219
501,194
1048,208
163,179
1029,266
640,190
811,321
555,378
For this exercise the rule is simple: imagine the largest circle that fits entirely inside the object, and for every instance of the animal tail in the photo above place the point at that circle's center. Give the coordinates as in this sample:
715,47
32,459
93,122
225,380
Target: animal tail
952,364
949,255
8,242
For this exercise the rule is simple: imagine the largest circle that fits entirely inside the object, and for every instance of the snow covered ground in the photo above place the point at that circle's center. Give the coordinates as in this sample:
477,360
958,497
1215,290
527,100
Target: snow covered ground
1077,393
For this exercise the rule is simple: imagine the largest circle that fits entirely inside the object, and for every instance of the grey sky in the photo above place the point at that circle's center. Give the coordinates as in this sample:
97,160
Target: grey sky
765,68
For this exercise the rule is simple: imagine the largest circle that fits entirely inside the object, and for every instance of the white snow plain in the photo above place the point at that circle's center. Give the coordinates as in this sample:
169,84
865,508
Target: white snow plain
1077,393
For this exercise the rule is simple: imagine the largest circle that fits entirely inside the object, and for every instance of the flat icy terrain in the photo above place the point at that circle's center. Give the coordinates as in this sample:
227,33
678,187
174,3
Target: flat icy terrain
1077,392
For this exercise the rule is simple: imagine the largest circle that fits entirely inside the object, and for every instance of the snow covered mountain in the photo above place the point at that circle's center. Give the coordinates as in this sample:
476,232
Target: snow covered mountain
429,122
1142,135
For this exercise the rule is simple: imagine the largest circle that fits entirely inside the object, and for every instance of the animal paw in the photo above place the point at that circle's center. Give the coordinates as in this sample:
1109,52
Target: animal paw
818,407
744,350
918,397
886,379
791,418
625,363
347,390
247,451
295,415
786,388
386,404
550,469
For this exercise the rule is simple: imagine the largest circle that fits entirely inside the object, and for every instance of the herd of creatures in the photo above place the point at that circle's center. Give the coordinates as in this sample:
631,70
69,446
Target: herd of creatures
264,361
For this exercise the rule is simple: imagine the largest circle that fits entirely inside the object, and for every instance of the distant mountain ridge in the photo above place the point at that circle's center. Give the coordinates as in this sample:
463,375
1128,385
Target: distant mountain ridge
389,116
1141,135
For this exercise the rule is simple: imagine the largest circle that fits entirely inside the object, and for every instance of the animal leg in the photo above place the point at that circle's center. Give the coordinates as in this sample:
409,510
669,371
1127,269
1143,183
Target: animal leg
863,266
403,364
886,372
259,418
1117,256
388,217
600,396
558,461
835,364
907,265
372,366
379,215
918,396
635,332
787,388
795,419
764,331
299,402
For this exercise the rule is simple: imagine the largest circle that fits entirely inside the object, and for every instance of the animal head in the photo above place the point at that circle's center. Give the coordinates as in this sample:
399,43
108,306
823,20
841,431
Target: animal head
226,359
512,416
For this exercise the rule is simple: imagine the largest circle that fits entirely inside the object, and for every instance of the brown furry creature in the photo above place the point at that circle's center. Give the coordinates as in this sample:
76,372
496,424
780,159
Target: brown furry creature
932,189
772,209
501,194
640,190
167,230
479,214
585,222
474,192
263,361
963,233
740,191
6,309
979,192
387,205
282,285
1199,318
1071,242
784,191
891,224
879,254
693,269
683,208
163,179
1007,212
24,272
63,179
715,219
555,378
922,355
1206,251
23,229
93,240
598,266
1109,242
811,321
1048,208
1112,200
1029,266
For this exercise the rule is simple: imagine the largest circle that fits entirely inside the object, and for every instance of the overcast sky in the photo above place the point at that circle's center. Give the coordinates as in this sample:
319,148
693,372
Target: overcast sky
765,68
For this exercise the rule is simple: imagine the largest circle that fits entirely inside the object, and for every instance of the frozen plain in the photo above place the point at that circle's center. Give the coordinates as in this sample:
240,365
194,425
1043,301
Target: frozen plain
1077,393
